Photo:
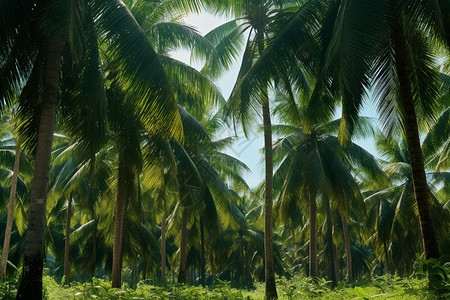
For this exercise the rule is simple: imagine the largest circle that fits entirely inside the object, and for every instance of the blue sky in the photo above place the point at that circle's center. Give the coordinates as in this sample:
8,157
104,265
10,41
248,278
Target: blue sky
248,150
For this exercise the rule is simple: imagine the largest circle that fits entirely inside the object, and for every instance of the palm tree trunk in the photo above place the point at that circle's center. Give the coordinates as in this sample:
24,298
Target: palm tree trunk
248,276
334,270
242,259
67,243
202,255
388,259
94,248
336,264
31,281
94,216
415,151
163,250
293,236
184,219
391,262
10,218
348,251
313,265
271,289
212,272
123,192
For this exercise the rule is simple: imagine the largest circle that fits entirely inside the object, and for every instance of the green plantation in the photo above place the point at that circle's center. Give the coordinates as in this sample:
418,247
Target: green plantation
232,149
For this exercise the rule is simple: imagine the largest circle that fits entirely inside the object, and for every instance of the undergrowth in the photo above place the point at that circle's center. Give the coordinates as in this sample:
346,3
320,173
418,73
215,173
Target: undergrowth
384,287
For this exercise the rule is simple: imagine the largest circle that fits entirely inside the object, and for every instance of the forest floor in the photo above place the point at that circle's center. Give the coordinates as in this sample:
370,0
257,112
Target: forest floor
385,287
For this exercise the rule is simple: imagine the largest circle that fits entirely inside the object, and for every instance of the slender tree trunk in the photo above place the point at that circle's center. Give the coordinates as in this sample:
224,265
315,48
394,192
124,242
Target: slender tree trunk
248,276
242,259
334,267
348,251
202,255
212,273
184,219
144,270
67,243
415,151
31,281
271,289
388,259
94,216
293,236
10,218
94,248
124,185
293,242
313,265
163,250
391,262
336,264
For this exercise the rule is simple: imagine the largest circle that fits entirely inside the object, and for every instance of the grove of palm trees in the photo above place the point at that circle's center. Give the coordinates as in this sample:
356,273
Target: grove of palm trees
122,173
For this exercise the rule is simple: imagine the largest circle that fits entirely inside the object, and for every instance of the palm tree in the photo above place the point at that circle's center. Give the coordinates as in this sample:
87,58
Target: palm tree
12,197
203,192
70,31
313,165
192,89
392,50
260,20
397,223
68,178
14,217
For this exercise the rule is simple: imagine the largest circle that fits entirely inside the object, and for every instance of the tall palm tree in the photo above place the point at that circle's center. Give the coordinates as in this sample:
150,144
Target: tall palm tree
70,31
392,50
260,20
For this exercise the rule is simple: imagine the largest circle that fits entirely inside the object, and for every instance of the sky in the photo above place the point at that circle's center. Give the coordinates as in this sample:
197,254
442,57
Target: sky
248,149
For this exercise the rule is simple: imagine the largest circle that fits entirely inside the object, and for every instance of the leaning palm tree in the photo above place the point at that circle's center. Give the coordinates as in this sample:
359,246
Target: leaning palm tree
5,154
70,31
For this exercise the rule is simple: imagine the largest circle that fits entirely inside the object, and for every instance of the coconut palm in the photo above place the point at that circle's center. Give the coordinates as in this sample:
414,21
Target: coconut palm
392,51
260,20
313,165
71,183
11,153
9,221
203,192
398,224
71,32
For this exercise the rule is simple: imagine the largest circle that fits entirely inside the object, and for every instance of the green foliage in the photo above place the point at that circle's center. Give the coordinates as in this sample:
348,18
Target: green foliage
8,287
298,287
438,273
101,289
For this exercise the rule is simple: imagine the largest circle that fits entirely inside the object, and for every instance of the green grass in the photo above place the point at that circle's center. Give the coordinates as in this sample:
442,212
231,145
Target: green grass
385,287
